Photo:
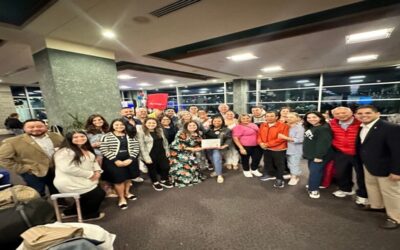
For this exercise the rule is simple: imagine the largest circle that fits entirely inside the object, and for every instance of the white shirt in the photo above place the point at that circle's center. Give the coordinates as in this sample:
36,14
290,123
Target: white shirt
365,129
45,143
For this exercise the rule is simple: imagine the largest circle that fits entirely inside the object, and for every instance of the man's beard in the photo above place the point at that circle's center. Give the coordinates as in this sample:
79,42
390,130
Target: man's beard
36,134
128,117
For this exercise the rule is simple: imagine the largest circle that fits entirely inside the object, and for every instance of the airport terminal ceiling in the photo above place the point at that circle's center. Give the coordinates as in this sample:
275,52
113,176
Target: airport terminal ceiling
302,37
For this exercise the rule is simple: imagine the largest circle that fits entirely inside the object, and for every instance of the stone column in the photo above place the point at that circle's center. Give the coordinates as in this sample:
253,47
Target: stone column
240,88
77,80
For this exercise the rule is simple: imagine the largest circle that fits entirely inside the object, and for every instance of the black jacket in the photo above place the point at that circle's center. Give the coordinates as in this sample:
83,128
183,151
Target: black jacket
317,142
13,123
380,151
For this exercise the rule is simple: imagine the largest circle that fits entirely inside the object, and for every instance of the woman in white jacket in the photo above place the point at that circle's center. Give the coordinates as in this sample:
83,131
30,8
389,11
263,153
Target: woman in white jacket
77,171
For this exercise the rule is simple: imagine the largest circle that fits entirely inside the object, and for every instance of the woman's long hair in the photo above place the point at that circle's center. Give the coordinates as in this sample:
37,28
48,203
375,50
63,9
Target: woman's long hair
67,143
308,125
158,129
92,129
185,128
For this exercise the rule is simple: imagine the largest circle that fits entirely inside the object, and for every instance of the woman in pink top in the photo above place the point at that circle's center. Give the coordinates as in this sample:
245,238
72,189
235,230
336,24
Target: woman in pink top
245,137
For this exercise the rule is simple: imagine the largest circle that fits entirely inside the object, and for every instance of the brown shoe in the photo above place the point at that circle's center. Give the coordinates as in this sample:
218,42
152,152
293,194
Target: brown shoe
390,224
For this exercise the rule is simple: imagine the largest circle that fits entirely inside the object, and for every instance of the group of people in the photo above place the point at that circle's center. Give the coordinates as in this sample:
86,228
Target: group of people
168,146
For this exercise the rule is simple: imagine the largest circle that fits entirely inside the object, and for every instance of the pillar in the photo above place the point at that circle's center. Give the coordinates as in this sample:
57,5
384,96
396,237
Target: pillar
240,95
77,80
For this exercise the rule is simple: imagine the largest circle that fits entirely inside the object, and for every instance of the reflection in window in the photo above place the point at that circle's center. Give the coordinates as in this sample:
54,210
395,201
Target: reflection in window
206,99
385,107
36,102
290,82
205,89
290,95
301,107
169,91
379,91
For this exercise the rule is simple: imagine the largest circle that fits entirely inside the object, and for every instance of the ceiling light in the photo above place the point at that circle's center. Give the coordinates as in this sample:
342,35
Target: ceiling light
1,80
356,77
242,57
309,84
363,58
302,81
37,91
171,85
355,81
108,34
125,77
124,87
272,69
397,67
259,76
168,81
369,36
214,80
203,89
144,84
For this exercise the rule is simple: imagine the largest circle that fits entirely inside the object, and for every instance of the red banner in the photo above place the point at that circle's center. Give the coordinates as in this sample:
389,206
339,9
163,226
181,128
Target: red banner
157,101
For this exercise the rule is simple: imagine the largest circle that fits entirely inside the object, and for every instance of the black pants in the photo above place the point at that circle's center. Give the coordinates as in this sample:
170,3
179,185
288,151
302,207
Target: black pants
40,183
344,173
160,166
90,204
274,163
253,152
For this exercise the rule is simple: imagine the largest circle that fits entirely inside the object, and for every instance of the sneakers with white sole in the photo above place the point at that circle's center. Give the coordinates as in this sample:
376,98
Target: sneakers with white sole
256,173
287,176
361,201
247,174
342,194
314,194
293,180
138,179
220,179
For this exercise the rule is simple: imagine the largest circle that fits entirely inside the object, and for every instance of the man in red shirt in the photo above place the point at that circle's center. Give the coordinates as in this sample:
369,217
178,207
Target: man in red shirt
345,128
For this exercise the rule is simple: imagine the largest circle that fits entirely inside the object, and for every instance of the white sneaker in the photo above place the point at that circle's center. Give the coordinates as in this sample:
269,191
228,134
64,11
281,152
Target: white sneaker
293,181
220,179
256,173
213,174
314,194
138,179
287,176
361,201
247,174
342,194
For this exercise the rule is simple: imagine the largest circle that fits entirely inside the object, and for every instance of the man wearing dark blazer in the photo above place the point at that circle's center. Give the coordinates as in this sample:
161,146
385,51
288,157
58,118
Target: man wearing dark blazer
31,155
378,149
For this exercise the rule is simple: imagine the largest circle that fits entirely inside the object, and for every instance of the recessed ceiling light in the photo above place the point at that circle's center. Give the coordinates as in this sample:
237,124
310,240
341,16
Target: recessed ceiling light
214,80
168,81
363,58
124,87
272,69
125,77
108,34
369,36
357,77
308,84
1,80
171,85
144,84
242,57
259,76
302,81
357,80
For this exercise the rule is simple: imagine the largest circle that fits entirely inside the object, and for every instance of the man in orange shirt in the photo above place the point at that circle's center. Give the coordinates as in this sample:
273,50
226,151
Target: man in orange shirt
274,148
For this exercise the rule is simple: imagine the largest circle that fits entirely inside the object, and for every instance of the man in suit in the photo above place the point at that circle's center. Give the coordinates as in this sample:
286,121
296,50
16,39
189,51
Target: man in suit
30,155
378,149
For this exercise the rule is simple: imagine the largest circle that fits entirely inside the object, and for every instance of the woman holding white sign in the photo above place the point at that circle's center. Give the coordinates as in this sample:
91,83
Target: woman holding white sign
221,140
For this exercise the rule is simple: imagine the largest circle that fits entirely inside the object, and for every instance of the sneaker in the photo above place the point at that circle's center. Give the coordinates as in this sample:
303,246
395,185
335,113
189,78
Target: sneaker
111,195
320,187
213,174
131,197
256,173
220,179
247,174
235,167
267,177
342,194
101,216
279,183
314,194
294,180
210,168
123,205
228,166
167,184
287,176
138,179
157,186
361,201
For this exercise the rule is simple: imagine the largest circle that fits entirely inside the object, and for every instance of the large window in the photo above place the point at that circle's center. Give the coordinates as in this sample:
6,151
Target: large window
28,102
378,87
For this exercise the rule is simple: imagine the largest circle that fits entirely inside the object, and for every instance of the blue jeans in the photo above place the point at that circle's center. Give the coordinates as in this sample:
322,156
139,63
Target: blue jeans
315,177
216,159
40,183
293,162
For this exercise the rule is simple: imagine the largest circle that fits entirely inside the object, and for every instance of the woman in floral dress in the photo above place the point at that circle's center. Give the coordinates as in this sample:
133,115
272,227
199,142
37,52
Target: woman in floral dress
183,161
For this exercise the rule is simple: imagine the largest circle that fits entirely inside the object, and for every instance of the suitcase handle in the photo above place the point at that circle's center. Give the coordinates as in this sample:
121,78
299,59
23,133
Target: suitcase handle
75,196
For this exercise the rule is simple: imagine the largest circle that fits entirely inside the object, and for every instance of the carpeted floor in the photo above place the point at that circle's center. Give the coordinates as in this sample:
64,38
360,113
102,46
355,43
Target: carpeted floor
243,213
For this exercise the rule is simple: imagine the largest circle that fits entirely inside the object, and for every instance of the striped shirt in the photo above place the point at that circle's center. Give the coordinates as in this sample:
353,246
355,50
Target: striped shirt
110,146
